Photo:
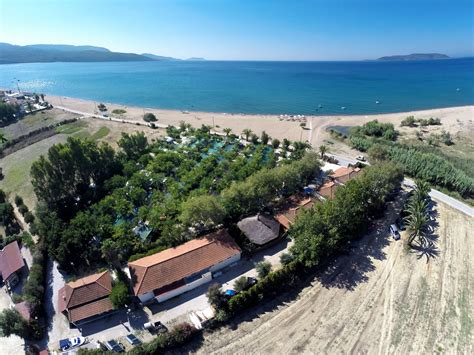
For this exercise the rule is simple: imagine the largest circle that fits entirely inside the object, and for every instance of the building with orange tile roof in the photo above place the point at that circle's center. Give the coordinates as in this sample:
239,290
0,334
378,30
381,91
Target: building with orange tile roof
286,217
344,174
87,298
174,271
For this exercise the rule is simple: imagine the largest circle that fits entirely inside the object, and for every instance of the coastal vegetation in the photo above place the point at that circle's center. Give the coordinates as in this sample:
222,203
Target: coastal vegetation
8,114
323,231
421,163
96,202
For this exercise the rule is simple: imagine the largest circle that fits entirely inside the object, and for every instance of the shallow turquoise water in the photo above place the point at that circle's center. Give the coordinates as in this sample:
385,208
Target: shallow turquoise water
257,87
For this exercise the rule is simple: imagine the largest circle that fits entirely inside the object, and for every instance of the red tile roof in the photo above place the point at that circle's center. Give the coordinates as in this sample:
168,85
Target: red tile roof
172,265
86,297
11,260
24,309
287,216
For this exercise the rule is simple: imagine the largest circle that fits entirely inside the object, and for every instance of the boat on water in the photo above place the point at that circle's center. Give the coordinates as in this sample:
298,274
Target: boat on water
343,107
377,102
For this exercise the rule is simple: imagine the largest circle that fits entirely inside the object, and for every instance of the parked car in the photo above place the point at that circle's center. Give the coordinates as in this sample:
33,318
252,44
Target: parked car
360,158
67,344
400,223
230,293
112,345
394,232
132,339
250,282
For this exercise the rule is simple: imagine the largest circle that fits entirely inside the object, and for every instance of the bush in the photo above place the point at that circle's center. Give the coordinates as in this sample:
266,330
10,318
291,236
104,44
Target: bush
27,240
119,295
149,117
286,258
119,111
29,217
215,295
409,122
178,336
12,323
23,209
2,196
240,284
18,201
263,268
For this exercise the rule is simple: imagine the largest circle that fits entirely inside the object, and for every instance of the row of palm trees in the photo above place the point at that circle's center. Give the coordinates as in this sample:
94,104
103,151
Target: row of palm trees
418,216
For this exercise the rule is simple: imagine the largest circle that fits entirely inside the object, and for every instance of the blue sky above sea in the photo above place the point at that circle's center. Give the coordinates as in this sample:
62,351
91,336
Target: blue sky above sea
247,29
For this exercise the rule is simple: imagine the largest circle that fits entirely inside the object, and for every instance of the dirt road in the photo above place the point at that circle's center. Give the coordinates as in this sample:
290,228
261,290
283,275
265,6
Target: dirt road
381,299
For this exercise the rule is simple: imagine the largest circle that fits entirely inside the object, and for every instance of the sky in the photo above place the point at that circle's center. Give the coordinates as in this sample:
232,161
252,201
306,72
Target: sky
247,29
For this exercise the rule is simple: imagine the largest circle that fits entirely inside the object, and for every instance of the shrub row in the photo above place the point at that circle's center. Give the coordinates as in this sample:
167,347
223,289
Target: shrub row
12,142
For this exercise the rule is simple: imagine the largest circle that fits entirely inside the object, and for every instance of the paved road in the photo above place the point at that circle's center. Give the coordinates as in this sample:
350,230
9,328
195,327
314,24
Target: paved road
438,195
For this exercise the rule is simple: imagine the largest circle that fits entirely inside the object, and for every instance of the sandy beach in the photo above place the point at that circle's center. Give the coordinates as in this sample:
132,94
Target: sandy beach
454,119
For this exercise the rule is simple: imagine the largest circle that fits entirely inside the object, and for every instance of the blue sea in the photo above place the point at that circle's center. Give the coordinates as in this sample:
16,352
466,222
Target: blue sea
256,87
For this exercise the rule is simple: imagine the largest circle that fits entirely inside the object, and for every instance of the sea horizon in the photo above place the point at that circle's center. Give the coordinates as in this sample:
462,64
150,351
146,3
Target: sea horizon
318,88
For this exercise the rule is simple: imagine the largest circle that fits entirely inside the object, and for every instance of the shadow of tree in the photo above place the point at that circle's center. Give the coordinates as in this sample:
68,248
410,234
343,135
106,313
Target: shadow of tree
426,244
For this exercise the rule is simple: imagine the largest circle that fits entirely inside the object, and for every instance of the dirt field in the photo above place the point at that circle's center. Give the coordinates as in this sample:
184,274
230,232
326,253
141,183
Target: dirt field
382,299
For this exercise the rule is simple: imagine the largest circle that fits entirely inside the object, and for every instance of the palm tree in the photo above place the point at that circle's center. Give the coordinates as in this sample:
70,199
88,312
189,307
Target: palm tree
422,189
323,150
417,218
42,97
2,138
247,132
227,131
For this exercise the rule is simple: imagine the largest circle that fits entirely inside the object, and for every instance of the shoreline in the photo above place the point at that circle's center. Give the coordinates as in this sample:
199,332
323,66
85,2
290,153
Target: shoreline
454,119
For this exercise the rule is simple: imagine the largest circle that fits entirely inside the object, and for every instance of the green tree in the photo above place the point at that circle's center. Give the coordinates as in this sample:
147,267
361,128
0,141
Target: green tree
247,132
206,209
72,175
215,295
240,284
275,143
263,268
378,152
254,138
227,131
134,145
149,117
111,252
2,138
12,323
323,150
42,97
417,219
264,138
119,296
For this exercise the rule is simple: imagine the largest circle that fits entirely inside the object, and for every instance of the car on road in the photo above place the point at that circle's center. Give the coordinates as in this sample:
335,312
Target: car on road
70,343
394,232
360,158
132,339
113,345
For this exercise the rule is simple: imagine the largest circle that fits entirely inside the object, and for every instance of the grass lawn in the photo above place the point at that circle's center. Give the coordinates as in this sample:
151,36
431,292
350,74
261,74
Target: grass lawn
16,169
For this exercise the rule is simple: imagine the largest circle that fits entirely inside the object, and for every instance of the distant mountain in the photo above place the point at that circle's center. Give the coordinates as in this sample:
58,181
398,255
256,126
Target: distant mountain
196,59
67,47
416,56
158,57
63,53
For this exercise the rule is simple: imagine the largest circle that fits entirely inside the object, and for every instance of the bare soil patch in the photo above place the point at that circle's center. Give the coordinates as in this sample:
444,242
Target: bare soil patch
380,299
